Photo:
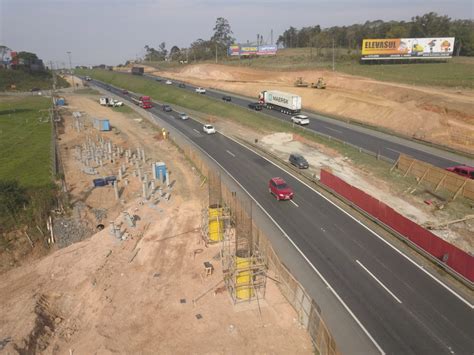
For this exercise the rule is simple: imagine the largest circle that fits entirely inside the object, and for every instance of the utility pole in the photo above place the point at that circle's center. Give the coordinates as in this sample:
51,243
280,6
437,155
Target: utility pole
54,82
216,52
271,37
333,68
70,68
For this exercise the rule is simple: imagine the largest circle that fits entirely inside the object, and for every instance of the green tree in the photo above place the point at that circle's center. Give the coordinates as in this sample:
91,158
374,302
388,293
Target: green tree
13,198
222,33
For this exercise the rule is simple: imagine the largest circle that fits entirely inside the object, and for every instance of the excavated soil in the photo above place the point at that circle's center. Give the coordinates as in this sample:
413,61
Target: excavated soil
443,116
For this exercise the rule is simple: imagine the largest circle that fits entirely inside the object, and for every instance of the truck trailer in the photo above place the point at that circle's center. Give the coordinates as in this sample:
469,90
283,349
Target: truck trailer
143,101
137,70
280,101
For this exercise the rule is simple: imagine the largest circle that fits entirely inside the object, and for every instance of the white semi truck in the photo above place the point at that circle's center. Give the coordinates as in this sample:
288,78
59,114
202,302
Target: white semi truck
280,101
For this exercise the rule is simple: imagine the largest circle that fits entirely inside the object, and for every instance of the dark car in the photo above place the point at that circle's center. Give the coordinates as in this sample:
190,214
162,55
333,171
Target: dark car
125,92
462,170
299,161
280,189
35,89
227,98
181,85
255,106
167,108
158,79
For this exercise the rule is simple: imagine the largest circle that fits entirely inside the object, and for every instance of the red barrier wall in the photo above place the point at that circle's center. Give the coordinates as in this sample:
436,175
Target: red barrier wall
457,259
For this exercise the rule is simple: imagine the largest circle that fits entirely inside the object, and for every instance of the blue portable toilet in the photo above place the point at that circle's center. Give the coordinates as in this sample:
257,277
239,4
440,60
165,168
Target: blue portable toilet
60,101
160,170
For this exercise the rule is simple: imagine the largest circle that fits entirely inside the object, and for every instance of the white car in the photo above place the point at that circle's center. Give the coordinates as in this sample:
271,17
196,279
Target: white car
168,82
300,119
209,129
200,90
183,116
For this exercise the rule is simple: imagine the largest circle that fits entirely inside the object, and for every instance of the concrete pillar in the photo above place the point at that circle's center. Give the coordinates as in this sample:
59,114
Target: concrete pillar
167,177
152,188
143,156
153,170
116,190
145,177
120,175
112,228
145,195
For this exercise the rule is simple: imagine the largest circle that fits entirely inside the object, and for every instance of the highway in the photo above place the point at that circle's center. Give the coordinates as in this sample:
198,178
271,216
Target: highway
403,308
375,142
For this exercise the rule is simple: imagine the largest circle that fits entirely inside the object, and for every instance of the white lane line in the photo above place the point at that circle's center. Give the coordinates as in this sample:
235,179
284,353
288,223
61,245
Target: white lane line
379,282
195,130
230,153
393,150
293,202
458,296
333,129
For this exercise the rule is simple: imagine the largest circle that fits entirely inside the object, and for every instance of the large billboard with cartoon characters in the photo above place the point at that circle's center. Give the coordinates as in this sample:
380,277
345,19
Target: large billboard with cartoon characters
407,48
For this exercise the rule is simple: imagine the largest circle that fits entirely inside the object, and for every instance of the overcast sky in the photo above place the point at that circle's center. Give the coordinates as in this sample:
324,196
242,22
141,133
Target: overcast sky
112,31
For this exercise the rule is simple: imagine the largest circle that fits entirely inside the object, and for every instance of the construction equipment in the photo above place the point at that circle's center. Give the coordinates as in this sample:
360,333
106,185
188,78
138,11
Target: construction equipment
320,84
300,83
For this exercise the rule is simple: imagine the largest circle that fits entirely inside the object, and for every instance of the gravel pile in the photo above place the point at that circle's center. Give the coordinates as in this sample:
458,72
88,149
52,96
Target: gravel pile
68,231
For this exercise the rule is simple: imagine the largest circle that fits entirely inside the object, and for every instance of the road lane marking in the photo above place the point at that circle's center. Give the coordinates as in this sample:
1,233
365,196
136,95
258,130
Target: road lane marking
446,287
379,282
293,202
230,153
195,130
333,129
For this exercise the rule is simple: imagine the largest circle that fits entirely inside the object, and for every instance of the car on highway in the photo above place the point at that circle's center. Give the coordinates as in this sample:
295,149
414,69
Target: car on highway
166,108
158,79
168,82
257,106
200,90
298,160
463,170
209,129
300,119
125,92
280,189
88,78
183,116
227,98
182,85
35,89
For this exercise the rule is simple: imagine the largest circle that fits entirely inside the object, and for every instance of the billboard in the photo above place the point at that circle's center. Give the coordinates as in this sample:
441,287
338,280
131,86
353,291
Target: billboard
234,50
248,50
407,48
267,50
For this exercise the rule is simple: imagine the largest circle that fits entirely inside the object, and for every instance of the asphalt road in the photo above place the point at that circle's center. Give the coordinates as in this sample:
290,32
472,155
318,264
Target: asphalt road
403,308
376,143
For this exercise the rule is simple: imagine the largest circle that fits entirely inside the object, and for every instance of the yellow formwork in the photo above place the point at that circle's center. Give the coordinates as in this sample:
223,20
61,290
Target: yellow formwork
243,282
216,223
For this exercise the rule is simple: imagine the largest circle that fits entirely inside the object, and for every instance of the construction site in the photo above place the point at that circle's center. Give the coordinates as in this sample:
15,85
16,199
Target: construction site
146,247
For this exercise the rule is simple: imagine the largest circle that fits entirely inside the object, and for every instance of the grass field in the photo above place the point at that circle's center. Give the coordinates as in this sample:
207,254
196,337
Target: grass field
25,81
457,72
25,141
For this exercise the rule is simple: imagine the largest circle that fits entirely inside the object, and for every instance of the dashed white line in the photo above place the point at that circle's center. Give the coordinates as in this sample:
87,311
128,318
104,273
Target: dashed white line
195,130
293,202
333,129
378,281
230,153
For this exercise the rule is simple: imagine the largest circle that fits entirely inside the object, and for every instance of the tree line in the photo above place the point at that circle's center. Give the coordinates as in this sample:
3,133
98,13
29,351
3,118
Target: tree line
427,25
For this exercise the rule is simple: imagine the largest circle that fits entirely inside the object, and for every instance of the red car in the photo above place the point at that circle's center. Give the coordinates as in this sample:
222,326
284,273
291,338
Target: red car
463,170
280,189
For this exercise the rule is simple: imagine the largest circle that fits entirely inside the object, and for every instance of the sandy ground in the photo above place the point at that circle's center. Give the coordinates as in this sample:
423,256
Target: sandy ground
105,295
440,115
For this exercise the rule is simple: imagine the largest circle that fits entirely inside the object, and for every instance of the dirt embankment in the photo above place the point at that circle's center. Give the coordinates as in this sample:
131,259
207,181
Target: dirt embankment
134,294
440,115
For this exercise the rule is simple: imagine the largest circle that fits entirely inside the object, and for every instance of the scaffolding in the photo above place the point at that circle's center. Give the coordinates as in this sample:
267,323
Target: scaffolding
243,265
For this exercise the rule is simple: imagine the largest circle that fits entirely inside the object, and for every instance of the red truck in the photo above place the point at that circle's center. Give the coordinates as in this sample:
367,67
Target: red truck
143,101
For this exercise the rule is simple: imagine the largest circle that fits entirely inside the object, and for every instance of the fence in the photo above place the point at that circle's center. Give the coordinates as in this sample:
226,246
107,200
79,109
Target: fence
458,260
437,177
308,311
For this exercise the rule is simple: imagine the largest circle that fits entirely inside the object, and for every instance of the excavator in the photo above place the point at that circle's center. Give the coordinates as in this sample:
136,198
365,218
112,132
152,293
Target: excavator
299,83
320,84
